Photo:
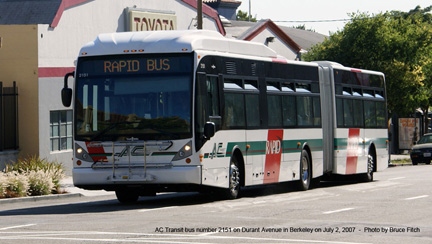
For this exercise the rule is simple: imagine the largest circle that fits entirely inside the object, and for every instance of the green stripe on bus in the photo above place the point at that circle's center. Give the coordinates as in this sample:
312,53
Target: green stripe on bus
288,146
342,143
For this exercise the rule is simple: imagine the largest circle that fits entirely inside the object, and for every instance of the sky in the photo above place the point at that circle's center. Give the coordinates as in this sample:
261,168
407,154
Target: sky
319,10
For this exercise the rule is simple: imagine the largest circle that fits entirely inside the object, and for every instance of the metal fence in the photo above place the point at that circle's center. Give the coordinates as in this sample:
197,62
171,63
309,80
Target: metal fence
8,117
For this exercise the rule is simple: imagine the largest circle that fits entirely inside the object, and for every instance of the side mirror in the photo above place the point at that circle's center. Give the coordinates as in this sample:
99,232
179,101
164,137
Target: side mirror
66,92
209,130
66,95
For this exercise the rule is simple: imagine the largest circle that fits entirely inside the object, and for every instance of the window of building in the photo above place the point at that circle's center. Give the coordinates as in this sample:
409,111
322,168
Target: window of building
60,130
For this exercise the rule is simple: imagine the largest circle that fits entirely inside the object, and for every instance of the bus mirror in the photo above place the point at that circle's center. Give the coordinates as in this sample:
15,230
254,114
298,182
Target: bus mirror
66,92
66,95
209,130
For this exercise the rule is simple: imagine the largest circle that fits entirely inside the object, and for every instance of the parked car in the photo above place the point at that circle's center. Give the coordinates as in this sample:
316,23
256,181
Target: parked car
422,151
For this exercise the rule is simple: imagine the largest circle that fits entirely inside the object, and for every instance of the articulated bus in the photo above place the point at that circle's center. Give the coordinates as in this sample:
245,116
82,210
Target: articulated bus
193,110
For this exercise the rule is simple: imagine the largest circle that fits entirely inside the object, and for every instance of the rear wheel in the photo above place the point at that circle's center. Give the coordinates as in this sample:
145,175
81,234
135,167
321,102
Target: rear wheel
127,196
368,177
305,171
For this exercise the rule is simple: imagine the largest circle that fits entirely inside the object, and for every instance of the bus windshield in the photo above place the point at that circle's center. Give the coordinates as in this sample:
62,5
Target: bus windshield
145,105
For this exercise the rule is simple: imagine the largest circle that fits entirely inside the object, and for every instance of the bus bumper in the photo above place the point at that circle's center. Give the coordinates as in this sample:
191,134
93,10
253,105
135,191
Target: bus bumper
83,177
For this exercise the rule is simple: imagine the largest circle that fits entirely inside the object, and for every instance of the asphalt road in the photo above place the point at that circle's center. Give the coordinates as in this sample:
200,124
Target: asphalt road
395,208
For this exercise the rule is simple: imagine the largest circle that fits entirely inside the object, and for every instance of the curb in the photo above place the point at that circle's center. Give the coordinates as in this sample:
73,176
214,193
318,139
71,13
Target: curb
39,198
399,165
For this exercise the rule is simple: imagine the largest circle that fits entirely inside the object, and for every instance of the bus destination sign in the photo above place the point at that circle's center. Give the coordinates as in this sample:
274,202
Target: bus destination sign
134,65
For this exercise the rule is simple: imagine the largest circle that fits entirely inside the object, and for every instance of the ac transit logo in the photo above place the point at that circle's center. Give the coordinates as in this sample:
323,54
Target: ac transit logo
274,146
218,151
134,151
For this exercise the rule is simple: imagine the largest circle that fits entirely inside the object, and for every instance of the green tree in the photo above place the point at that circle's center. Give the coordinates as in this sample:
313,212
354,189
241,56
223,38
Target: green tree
396,43
244,16
303,27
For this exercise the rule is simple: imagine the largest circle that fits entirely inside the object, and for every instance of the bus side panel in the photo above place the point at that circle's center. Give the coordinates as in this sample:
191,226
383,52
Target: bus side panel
255,156
350,156
379,138
216,154
352,148
294,142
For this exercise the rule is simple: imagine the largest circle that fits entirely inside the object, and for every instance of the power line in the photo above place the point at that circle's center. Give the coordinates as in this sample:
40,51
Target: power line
310,21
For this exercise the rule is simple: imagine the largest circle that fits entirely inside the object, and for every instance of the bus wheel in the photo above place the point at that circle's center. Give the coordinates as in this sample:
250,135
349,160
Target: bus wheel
127,196
234,180
368,177
305,171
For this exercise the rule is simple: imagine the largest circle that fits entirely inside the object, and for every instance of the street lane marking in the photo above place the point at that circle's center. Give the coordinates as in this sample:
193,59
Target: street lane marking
338,211
155,209
418,197
16,227
397,178
150,238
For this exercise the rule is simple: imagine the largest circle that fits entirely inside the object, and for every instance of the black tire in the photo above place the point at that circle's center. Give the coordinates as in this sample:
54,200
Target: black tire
234,180
127,196
368,177
428,161
305,171
414,162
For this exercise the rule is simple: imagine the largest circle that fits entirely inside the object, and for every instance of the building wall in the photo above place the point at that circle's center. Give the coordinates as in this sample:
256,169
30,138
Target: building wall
19,62
277,45
59,47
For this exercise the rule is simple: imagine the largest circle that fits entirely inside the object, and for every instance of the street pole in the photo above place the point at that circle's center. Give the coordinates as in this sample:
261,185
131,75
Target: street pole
250,11
200,15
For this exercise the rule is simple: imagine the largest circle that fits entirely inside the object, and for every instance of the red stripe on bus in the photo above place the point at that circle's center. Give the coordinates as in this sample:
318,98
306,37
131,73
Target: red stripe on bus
96,151
273,156
279,60
352,151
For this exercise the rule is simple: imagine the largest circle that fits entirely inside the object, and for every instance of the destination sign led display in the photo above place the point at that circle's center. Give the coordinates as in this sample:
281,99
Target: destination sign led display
133,64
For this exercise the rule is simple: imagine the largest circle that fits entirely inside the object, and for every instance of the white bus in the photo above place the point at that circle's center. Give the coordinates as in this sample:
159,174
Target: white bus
187,110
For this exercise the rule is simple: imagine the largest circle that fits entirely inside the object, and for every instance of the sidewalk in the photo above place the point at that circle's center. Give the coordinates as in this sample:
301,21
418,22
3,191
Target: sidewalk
400,156
67,185
400,160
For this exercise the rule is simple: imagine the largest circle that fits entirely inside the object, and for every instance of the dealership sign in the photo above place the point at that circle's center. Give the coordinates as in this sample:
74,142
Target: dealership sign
149,21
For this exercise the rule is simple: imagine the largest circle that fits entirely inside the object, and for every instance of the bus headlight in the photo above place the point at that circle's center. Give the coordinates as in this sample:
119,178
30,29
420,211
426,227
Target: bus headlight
184,152
82,154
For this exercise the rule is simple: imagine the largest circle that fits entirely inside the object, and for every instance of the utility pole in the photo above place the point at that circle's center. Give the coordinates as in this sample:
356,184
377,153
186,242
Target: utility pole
200,15
250,11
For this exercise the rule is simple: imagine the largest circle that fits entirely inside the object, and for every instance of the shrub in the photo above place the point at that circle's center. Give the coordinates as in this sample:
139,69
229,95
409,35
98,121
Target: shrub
40,183
52,170
13,184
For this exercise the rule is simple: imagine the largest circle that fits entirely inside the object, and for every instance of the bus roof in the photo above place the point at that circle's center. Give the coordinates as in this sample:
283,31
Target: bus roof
334,65
172,42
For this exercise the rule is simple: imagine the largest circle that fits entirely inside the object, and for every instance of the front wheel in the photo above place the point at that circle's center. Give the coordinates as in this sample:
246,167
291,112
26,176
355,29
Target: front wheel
127,196
234,180
305,171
